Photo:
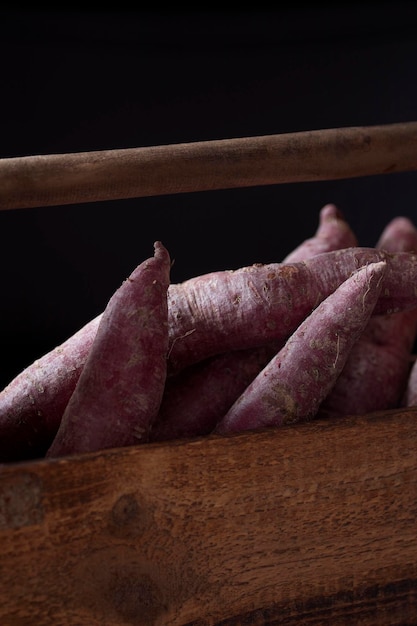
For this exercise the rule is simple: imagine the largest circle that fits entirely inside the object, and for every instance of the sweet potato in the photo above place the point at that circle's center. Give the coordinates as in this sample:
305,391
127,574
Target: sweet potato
399,235
333,233
32,404
376,372
231,310
196,398
409,397
120,388
207,315
292,386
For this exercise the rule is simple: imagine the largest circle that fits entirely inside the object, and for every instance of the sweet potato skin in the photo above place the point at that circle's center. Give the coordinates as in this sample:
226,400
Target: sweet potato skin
197,397
32,404
200,395
376,371
120,388
409,397
399,235
207,315
215,312
333,233
292,386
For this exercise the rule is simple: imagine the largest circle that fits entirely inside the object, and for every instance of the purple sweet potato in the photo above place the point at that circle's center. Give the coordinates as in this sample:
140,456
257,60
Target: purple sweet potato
409,397
120,388
196,398
251,306
292,386
207,315
333,233
376,372
399,235
32,404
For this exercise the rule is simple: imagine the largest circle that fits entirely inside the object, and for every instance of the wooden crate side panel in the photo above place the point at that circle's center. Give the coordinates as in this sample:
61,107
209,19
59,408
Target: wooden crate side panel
313,520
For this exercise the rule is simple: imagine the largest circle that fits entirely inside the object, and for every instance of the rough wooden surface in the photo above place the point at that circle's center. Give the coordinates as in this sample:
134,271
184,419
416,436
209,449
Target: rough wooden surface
310,524
58,179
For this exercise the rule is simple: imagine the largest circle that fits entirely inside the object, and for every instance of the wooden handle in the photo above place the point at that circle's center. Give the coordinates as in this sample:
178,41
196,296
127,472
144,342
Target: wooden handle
57,179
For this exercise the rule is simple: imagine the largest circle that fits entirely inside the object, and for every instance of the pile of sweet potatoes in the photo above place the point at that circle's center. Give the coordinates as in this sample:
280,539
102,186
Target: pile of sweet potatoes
326,332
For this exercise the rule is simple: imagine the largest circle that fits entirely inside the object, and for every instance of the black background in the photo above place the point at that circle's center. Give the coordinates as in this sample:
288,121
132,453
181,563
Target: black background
81,80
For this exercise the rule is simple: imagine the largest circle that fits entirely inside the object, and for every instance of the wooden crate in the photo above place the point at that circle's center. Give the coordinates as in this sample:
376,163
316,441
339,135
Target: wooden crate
308,524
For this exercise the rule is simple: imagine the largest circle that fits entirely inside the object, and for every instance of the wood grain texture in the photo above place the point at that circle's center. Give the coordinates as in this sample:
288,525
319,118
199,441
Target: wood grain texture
308,524
59,179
